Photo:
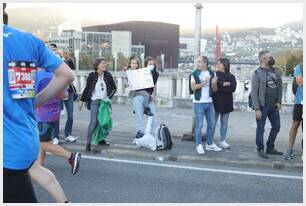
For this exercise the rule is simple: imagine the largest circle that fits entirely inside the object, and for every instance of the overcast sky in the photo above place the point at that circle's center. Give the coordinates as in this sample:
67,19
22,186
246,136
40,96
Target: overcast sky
227,15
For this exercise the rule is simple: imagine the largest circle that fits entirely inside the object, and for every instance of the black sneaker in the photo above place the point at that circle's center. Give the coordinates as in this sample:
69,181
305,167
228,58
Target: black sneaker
262,154
88,147
288,155
74,161
139,134
147,111
96,149
103,142
273,152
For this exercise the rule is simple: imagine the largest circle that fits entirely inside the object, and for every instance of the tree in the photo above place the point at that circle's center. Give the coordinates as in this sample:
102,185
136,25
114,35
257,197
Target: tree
287,59
122,61
109,58
158,62
86,61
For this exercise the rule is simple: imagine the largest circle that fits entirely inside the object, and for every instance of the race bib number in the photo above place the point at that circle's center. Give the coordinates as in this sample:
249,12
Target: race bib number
21,77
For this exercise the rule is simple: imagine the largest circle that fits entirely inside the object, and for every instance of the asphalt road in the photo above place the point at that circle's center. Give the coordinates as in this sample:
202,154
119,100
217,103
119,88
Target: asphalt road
104,180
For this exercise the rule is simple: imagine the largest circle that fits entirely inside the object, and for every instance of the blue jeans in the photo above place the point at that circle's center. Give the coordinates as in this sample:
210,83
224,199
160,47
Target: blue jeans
207,109
69,108
68,127
138,104
94,112
224,123
55,132
274,118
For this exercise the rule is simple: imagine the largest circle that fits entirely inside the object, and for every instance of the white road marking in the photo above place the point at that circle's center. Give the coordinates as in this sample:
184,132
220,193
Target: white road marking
193,168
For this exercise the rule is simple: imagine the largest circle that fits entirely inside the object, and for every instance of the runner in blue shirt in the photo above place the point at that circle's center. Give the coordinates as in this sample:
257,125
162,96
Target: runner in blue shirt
297,111
22,54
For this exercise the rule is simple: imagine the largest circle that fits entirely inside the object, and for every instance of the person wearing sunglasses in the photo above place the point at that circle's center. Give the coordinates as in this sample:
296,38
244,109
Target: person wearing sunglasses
100,85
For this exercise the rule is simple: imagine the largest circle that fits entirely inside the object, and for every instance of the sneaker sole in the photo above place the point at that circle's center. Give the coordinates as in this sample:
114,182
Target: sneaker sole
213,150
289,157
70,141
224,147
76,163
200,153
274,154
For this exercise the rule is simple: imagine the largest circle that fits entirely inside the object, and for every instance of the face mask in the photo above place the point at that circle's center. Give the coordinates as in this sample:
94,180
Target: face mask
271,61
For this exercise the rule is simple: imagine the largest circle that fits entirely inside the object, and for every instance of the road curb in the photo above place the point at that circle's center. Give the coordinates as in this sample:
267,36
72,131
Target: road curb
131,151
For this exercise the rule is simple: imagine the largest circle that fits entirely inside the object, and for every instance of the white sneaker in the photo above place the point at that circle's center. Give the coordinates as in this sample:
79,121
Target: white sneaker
213,147
62,112
200,149
55,140
70,139
224,145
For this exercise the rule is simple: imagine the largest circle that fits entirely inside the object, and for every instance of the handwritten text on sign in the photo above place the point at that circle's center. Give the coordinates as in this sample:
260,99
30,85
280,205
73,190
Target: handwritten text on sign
139,79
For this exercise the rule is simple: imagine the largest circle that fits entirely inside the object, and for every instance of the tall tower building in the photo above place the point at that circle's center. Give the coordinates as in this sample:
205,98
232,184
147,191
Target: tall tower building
218,47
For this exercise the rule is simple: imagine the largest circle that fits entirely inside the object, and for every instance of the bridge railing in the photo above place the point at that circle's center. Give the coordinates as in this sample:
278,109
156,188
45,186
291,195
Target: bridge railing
172,88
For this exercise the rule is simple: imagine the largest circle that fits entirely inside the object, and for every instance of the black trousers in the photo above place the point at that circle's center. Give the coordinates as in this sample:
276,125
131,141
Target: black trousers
17,187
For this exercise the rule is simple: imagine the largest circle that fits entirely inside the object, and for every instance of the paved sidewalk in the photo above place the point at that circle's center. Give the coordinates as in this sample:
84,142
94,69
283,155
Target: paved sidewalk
241,136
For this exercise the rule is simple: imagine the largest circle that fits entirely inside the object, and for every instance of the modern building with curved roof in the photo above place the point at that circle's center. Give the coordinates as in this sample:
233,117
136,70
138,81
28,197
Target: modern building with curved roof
157,37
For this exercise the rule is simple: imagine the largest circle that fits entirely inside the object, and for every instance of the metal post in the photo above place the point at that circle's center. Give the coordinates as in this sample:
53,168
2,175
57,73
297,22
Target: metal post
116,61
77,59
197,52
162,56
142,60
197,32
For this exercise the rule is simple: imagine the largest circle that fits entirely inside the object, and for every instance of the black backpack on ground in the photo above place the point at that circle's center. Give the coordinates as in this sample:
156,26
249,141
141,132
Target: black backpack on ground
163,138
294,84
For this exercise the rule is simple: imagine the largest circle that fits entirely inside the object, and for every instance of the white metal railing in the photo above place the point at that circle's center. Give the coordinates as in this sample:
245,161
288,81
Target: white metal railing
171,86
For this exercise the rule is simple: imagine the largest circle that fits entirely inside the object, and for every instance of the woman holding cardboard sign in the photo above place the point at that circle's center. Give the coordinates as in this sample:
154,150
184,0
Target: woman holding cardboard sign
141,96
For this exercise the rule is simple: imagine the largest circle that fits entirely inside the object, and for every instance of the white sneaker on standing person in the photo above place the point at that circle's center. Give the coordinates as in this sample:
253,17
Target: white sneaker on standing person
55,140
213,147
224,145
200,149
70,139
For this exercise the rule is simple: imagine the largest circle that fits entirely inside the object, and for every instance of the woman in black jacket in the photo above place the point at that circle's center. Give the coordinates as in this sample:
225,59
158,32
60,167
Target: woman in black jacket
100,85
223,86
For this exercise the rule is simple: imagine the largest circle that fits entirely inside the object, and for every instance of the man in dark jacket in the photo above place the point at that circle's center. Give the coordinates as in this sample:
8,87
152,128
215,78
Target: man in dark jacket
266,96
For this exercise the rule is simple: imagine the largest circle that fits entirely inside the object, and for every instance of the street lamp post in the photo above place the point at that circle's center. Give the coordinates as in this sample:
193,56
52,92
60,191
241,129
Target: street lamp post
197,52
197,38
77,58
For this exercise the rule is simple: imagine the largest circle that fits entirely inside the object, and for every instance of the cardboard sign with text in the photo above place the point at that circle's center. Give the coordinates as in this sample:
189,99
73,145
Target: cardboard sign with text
139,79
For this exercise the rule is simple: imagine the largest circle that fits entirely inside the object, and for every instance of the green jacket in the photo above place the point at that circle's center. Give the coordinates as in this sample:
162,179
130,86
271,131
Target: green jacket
105,122
196,75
